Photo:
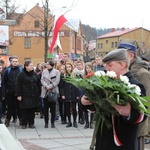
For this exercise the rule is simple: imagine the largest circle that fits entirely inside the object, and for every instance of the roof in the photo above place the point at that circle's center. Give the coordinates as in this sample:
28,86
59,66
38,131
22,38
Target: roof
115,33
73,24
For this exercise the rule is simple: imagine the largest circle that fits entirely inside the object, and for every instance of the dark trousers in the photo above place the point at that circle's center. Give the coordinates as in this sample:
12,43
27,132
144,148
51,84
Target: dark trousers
62,110
28,116
80,112
87,115
0,109
52,107
71,106
12,106
41,106
4,106
0,103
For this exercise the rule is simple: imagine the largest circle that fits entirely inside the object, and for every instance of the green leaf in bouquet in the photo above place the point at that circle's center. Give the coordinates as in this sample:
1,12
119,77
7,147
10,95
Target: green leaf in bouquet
146,98
79,83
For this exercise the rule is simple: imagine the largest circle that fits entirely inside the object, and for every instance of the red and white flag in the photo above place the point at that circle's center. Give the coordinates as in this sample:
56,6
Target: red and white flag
57,25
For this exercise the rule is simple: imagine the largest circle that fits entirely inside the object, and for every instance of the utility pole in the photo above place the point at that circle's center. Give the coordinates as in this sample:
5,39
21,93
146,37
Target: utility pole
46,30
6,9
75,42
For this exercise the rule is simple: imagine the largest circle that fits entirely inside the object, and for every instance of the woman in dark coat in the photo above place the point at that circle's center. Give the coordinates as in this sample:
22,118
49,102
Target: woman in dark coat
61,101
70,94
28,91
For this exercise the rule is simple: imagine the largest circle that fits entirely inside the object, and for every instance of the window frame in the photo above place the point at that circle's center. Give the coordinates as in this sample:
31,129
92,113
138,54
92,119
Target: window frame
27,42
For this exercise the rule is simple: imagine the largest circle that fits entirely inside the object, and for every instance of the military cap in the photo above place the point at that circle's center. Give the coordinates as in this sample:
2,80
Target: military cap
115,55
128,44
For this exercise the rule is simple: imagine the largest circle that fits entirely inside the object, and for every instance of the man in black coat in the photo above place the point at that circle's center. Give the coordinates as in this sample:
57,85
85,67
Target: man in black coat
8,89
122,135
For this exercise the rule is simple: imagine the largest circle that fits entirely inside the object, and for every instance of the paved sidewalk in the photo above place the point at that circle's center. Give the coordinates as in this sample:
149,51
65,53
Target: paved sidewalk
57,138
53,138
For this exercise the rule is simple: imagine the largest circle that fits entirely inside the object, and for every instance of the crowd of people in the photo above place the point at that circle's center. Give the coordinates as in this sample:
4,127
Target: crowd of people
23,92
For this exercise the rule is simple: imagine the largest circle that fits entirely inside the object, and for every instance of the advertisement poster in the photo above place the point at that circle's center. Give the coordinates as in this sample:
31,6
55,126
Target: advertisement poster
4,41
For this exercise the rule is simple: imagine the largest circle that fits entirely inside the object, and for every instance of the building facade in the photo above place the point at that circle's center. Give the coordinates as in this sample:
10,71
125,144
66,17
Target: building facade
27,37
109,41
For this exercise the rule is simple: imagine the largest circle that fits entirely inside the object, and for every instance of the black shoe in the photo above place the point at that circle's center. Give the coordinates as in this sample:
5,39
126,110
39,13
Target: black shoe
82,121
41,116
62,122
46,125
56,118
31,126
86,126
1,122
52,125
7,121
14,120
20,122
91,126
24,127
75,125
69,125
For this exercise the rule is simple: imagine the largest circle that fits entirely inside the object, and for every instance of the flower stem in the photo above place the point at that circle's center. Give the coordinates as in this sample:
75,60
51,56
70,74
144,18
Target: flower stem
97,122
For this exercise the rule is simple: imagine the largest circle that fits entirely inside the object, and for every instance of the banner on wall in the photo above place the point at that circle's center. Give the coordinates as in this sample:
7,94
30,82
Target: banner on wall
4,38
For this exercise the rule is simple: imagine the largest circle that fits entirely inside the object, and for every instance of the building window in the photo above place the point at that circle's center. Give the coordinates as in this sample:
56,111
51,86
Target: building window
27,59
27,42
78,43
101,45
73,41
116,44
106,41
36,24
98,46
112,45
143,44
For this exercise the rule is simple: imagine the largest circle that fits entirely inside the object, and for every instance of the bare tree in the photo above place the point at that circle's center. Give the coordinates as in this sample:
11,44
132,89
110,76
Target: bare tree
46,23
44,19
10,7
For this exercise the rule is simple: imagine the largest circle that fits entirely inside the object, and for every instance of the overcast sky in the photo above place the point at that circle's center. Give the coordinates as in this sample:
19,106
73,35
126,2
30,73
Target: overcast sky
102,13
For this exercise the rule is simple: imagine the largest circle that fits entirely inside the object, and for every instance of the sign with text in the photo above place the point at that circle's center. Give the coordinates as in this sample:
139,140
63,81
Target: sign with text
34,33
8,22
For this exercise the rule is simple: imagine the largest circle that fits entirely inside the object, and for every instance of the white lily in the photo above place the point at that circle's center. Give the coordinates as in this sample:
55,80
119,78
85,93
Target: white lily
100,73
124,79
111,74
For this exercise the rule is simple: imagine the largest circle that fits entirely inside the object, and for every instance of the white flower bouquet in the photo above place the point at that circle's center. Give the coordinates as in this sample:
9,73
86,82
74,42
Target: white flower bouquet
105,90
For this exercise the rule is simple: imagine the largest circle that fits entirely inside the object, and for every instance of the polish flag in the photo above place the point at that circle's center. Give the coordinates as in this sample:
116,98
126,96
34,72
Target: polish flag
57,25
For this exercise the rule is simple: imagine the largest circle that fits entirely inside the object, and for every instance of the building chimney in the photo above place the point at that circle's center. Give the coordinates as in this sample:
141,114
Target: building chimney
113,29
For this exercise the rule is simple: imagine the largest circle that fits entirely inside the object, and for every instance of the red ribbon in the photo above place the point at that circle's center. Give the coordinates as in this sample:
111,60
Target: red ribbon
116,139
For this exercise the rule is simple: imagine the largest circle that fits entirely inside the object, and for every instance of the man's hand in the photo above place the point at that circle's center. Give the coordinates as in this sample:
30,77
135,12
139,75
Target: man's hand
84,101
63,97
123,110
19,98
